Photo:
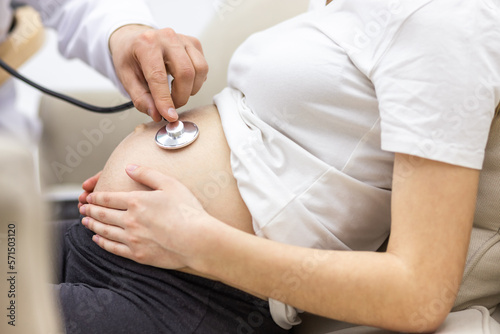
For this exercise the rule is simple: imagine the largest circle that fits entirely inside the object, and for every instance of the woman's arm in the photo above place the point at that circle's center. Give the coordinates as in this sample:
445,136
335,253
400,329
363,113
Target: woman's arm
409,288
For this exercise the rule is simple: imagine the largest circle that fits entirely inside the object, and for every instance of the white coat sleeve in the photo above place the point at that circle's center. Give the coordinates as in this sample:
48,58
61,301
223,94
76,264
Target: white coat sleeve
85,26
5,19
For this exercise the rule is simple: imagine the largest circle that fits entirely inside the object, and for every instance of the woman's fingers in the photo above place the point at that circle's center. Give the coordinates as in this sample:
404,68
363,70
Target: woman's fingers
147,176
112,200
110,232
88,186
82,199
150,227
112,246
102,214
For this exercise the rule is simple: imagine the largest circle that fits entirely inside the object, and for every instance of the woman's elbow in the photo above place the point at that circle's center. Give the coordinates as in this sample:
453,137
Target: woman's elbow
425,311
425,320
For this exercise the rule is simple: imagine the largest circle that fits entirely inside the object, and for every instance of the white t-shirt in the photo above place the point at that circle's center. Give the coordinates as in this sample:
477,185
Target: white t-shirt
317,106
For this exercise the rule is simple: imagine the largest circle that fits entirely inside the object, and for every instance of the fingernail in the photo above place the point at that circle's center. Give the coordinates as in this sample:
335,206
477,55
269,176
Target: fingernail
172,113
85,221
95,238
83,209
149,112
131,168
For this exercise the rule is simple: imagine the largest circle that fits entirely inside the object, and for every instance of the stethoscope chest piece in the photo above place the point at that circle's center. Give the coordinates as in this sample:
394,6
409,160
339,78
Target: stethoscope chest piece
177,135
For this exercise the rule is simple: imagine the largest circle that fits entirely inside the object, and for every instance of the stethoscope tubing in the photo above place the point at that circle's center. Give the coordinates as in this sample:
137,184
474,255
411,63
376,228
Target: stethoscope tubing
63,97
166,137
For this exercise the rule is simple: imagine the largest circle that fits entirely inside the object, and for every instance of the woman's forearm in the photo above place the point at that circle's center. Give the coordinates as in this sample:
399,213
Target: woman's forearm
410,288
369,288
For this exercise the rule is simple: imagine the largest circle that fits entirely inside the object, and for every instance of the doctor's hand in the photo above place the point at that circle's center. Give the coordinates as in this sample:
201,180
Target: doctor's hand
163,228
143,57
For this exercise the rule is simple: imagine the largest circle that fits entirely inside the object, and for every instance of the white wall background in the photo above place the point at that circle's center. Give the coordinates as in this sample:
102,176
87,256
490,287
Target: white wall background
50,69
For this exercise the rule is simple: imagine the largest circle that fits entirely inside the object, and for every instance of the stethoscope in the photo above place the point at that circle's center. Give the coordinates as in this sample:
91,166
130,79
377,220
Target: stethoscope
173,136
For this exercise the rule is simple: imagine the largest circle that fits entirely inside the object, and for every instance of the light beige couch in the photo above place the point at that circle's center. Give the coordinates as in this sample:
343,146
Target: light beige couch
76,143
482,278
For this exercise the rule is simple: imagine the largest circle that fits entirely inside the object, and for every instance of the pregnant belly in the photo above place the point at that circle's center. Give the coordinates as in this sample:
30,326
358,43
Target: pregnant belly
204,166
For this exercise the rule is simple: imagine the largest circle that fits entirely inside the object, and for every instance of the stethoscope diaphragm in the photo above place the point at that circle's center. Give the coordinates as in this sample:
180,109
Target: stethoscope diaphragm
176,135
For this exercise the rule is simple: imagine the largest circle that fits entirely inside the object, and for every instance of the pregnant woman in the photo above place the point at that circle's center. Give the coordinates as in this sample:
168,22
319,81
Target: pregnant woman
337,126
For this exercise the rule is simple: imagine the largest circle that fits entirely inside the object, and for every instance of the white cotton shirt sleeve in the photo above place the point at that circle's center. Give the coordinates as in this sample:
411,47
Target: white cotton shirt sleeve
84,27
437,83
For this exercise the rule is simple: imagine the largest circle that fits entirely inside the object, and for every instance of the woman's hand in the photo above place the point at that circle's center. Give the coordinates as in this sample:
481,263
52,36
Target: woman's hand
88,187
143,57
161,228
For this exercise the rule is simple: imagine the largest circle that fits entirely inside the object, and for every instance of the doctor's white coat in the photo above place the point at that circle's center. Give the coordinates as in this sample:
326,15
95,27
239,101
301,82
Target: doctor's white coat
84,28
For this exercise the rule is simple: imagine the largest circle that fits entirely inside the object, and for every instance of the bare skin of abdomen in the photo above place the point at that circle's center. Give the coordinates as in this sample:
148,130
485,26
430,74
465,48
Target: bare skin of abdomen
203,166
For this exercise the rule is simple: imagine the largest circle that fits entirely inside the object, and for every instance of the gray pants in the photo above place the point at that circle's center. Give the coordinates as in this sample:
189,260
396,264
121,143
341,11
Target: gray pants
103,293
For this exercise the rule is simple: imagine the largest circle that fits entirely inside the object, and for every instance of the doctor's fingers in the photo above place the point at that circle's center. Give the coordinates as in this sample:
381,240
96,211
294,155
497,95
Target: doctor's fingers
184,60
159,53
135,84
195,52
165,52
154,71
143,74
